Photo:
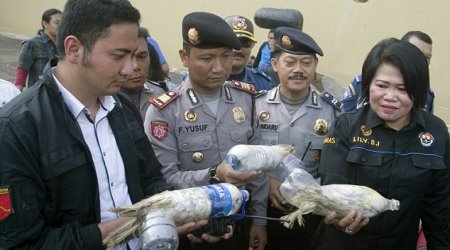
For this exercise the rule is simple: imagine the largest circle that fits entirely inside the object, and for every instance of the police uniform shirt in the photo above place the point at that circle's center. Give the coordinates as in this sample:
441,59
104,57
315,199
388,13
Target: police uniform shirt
150,90
188,138
305,130
409,165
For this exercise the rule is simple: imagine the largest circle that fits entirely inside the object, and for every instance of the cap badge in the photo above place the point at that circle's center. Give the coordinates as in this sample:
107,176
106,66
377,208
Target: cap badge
321,127
286,42
190,116
193,37
197,157
264,115
366,132
426,139
238,114
239,23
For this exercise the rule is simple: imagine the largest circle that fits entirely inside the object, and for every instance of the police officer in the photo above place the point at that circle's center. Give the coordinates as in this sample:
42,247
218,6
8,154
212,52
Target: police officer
294,113
138,88
193,127
243,28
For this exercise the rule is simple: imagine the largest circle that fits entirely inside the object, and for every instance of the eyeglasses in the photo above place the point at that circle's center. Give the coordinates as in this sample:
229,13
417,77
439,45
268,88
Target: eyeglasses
245,42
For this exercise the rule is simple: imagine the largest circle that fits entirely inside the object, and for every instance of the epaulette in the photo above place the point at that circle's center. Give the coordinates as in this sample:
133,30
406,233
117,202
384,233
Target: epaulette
161,101
330,99
246,87
259,72
261,93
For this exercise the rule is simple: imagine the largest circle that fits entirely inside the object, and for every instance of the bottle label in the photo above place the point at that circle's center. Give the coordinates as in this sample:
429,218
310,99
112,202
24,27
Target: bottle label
221,200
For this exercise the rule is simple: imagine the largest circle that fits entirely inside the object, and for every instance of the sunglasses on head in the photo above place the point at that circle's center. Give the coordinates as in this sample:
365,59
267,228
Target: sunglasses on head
245,42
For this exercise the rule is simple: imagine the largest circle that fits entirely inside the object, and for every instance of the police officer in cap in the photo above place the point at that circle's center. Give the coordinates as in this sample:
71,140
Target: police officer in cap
192,127
243,28
294,113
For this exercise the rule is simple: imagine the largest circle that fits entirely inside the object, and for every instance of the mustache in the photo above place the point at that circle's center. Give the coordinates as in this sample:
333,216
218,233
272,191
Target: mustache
239,54
297,76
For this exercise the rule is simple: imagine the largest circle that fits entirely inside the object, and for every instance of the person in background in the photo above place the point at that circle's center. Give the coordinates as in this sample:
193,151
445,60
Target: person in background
162,60
243,28
39,50
145,63
394,147
422,41
296,114
262,59
193,127
73,147
7,92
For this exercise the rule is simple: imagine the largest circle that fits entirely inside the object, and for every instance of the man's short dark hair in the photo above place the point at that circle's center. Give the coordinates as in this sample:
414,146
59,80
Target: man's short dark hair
419,34
90,20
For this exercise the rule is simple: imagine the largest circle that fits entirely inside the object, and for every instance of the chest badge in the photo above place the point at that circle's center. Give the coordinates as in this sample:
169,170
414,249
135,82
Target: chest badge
264,115
190,116
197,157
426,139
366,132
238,114
321,127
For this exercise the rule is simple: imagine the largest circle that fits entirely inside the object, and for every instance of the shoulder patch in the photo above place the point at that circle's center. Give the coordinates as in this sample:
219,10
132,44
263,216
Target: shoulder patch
246,87
161,101
335,103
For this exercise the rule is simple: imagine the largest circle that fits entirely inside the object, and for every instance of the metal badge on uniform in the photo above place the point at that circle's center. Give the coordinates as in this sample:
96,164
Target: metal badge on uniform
286,42
264,115
426,139
197,157
321,127
192,96
238,114
193,37
366,132
314,100
190,116
6,208
160,129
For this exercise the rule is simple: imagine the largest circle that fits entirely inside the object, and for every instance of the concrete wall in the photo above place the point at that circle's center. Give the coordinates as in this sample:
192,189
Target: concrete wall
345,30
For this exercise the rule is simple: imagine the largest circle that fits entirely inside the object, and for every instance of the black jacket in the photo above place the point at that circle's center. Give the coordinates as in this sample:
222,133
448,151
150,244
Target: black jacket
410,165
47,170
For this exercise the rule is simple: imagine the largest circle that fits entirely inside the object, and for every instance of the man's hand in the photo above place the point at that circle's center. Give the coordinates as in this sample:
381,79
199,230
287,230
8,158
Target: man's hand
258,238
209,238
275,197
350,223
227,174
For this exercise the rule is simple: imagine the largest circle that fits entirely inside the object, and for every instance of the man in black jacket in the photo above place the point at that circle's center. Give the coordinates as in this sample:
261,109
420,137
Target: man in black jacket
71,149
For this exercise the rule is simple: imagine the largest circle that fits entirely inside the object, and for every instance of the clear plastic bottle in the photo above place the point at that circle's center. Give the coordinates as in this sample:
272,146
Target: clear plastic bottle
288,164
162,212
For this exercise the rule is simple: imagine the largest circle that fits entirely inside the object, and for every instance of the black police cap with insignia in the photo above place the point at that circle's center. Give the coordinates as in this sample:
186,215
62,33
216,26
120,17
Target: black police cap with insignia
206,30
296,42
241,26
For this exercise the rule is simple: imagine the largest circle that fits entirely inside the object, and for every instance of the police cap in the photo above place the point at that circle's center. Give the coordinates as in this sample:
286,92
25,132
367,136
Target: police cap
206,30
296,42
241,26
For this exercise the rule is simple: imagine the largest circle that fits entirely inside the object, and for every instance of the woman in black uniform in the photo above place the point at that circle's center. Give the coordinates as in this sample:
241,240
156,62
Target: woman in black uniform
394,147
